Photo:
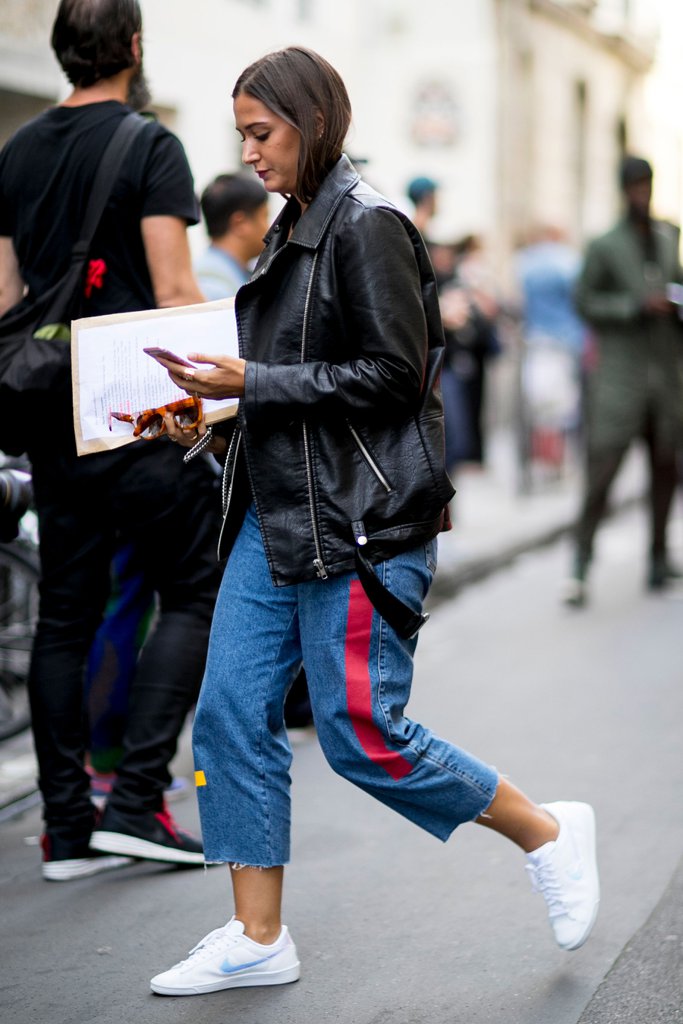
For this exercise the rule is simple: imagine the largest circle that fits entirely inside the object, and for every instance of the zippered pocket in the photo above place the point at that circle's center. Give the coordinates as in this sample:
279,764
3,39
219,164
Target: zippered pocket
370,460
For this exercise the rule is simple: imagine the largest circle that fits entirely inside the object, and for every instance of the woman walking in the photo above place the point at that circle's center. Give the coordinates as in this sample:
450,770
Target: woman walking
335,491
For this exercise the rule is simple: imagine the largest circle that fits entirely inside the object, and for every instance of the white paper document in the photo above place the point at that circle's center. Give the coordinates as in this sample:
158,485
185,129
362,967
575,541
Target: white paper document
112,373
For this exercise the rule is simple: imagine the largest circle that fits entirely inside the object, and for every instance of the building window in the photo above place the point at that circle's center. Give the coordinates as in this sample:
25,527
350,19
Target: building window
580,144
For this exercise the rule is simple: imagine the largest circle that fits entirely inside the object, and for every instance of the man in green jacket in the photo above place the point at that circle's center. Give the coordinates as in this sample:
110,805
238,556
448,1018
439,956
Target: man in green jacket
635,387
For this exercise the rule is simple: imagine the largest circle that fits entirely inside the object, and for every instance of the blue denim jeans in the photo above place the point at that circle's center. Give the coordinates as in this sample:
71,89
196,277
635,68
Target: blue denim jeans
359,676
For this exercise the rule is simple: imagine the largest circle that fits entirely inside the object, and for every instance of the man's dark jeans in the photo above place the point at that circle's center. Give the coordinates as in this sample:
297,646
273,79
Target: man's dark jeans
86,507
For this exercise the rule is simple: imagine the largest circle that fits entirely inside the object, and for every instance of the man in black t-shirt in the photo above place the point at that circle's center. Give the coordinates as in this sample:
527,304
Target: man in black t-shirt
142,494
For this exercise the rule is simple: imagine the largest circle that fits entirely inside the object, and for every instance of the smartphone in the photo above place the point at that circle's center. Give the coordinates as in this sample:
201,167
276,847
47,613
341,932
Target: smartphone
170,357
674,293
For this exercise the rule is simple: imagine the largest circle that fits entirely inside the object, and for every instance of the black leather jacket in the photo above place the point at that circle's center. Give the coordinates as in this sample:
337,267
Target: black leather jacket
339,436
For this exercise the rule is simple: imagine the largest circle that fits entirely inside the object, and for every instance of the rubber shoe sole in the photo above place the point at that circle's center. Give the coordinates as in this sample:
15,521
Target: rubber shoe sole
132,846
81,867
246,980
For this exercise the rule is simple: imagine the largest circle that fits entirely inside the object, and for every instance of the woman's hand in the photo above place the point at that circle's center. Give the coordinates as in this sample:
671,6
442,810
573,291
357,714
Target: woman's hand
455,308
225,379
189,436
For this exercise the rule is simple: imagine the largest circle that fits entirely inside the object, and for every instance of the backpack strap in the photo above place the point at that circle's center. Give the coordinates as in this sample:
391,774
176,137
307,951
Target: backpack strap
107,172
105,177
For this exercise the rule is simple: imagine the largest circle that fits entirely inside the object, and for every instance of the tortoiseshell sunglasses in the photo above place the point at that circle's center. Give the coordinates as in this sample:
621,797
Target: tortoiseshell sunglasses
187,413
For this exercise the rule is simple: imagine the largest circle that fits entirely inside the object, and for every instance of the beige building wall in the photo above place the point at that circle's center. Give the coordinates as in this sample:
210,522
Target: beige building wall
426,105
195,51
26,62
421,80
660,127
570,94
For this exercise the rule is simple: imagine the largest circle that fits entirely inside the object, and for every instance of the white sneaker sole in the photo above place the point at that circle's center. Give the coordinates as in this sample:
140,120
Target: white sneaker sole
82,867
246,980
574,594
131,846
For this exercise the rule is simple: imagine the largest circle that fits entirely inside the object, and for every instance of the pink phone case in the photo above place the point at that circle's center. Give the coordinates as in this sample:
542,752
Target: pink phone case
170,357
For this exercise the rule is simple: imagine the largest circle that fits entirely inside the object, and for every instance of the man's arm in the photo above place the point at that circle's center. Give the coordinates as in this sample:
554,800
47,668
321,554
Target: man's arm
168,257
11,284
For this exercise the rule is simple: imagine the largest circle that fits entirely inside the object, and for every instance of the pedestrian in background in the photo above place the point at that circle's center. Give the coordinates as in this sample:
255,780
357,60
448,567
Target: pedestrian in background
547,269
471,341
235,210
337,491
634,389
422,193
472,345
87,507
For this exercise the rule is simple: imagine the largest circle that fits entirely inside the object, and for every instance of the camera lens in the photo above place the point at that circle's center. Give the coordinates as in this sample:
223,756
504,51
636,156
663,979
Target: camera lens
15,498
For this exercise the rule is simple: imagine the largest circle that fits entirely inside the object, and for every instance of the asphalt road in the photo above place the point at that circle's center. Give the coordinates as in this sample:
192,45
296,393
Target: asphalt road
392,926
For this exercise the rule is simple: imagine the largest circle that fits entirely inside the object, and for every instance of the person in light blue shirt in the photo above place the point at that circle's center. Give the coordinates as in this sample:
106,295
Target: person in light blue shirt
554,336
235,210
548,269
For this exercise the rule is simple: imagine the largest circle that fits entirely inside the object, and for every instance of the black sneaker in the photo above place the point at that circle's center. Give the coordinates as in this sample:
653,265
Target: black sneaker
149,836
64,862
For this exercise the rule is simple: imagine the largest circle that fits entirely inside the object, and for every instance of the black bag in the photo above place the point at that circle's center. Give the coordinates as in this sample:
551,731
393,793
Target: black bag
35,352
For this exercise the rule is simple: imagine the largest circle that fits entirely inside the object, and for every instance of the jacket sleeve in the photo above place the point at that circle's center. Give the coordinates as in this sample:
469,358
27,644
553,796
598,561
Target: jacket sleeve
599,299
380,299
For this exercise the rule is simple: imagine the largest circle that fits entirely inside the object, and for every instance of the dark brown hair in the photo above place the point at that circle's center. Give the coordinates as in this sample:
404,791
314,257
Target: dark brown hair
304,90
226,195
91,38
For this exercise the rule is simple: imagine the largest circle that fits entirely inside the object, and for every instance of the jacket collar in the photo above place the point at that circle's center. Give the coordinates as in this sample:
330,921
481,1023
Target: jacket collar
311,227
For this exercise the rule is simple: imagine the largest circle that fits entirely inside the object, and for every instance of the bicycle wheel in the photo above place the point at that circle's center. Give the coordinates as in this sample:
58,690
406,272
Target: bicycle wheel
19,574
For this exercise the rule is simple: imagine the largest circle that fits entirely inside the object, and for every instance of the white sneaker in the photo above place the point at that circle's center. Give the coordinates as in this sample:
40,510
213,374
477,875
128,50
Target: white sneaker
227,958
566,873
574,593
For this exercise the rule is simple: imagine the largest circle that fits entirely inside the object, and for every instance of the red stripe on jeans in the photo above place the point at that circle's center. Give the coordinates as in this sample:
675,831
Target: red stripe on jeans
358,686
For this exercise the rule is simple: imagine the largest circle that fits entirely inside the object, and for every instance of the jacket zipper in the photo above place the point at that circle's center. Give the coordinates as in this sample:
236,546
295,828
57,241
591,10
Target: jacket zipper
318,560
227,484
226,489
374,468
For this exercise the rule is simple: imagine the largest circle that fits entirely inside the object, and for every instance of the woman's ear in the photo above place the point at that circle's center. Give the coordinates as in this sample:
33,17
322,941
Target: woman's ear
319,124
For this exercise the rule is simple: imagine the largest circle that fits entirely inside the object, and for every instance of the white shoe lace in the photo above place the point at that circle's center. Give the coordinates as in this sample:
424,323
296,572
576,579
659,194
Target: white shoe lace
205,946
544,880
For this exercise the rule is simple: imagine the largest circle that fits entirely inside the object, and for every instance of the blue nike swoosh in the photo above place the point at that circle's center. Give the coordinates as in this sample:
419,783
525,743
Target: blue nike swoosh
228,968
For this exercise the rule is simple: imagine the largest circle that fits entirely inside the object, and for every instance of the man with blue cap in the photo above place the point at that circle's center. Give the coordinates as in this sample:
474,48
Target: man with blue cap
422,194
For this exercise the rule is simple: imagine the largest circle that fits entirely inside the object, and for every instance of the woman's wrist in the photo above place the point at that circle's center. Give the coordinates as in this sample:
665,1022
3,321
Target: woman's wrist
207,444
